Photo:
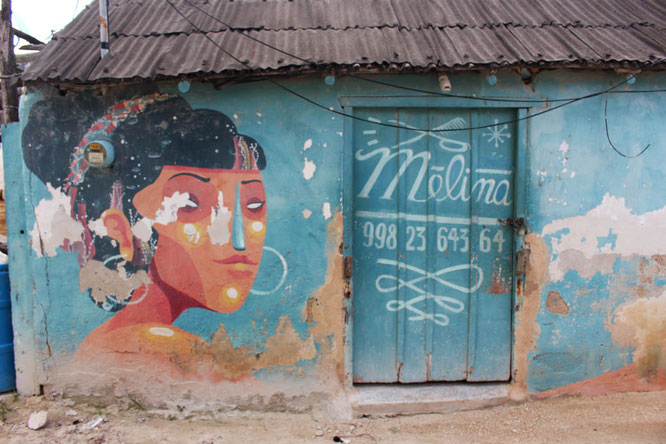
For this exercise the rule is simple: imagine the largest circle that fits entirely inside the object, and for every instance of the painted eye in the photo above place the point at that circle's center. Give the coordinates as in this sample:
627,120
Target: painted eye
191,205
255,206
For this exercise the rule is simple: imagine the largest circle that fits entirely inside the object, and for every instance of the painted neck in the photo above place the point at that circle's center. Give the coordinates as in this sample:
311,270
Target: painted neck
162,305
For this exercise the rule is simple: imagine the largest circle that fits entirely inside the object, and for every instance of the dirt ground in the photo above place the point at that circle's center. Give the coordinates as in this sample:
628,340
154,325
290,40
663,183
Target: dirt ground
627,417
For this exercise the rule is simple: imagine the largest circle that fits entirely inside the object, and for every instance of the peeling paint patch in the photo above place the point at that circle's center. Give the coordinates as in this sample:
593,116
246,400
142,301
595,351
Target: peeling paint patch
170,205
564,149
556,305
53,223
527,329
627,234
218,230
307,145
309,169
97,226
326,313
326,210
306,213
284,348
104,282
143,229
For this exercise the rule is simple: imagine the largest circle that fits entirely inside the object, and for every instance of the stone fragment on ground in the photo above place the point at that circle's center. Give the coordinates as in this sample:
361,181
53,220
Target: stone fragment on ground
38,420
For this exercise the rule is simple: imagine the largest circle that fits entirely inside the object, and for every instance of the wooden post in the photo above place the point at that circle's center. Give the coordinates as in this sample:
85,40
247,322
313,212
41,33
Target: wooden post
9,76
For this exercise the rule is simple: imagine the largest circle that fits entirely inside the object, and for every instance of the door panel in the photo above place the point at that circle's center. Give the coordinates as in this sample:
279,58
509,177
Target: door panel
376,336
450,244
432,263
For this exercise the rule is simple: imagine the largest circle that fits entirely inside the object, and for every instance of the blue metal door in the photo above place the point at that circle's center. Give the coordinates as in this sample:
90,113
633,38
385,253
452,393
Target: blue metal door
433,263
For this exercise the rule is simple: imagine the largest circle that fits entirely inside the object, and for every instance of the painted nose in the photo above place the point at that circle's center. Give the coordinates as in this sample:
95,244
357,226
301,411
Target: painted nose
237,231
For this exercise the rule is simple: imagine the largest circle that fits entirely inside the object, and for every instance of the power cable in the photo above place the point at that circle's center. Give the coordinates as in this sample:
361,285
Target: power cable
611,143
351,116
407,88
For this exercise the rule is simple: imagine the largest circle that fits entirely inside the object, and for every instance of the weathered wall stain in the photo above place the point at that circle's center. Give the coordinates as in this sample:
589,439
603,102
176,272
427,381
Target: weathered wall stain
284,348
555,304
325,308
622,380
641,324
527,329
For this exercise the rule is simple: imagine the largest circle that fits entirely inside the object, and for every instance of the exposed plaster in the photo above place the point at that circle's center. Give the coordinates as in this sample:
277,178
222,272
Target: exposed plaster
306,213
326,210
325,308
609,229
309,169
307,145
284,348
564,149
103,282
641,324
170,205
53,223
556,305
143,229
97,226
527,329
218,230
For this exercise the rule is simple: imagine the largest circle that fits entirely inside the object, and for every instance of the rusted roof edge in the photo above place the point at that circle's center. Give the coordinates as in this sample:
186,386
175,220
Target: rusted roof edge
394,68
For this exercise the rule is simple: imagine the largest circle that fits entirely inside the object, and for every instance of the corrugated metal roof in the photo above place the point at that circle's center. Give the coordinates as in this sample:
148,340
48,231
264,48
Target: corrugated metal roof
150,40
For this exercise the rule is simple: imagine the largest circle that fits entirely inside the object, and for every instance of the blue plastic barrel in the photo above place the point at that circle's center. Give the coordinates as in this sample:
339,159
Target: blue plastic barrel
7,373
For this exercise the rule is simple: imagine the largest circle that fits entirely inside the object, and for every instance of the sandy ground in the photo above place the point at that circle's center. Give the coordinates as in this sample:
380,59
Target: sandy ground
628,417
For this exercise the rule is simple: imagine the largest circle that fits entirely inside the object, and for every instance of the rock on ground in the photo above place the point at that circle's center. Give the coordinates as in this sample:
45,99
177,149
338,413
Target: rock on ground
38,420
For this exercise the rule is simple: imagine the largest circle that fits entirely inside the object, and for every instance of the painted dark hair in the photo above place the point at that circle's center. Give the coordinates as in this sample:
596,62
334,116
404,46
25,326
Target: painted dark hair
147,135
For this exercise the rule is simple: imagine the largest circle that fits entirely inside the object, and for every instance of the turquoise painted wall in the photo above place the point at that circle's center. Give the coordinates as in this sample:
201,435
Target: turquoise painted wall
570,168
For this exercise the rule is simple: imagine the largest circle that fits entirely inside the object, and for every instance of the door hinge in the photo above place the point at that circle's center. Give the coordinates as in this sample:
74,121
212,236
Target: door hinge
522,260
515,223
348,266
347,271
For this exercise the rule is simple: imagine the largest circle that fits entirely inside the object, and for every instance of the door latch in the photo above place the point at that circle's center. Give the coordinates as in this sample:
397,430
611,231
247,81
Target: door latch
522,260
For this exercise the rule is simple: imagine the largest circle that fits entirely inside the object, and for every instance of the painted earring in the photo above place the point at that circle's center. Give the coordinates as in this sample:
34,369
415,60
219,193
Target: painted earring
285,270
237,231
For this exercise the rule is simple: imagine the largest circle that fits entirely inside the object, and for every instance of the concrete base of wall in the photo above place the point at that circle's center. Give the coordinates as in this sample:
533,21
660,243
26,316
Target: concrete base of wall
390,399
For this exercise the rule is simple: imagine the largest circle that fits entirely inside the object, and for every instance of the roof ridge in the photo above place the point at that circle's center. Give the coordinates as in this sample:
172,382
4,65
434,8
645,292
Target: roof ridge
401,27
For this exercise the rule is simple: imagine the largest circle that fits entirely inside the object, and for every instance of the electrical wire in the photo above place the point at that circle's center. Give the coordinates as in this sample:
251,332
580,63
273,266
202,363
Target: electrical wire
611,143
407,88
351,116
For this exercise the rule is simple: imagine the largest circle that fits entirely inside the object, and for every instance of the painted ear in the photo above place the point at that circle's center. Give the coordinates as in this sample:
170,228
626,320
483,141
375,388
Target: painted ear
118,227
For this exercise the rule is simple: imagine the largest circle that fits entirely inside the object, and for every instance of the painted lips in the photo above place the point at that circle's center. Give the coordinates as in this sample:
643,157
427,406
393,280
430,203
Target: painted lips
235,259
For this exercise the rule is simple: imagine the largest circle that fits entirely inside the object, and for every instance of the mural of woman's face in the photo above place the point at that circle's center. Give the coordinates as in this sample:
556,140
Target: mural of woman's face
211,225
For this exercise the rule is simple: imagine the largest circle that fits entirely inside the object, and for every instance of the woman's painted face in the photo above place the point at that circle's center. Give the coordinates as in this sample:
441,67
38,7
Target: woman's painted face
211,225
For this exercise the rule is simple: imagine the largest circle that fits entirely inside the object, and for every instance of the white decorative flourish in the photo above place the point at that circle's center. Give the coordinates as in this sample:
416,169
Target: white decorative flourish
445,143
447,303
497,134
